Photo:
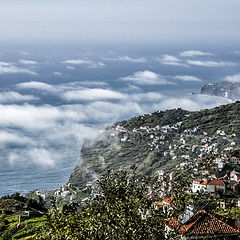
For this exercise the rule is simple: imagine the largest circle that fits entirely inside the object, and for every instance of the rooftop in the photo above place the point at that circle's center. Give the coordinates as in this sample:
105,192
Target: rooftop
202,223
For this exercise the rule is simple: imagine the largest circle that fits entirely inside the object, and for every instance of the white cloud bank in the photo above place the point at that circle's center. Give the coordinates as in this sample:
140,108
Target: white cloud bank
171,60
93,94
35,117
28,62
77,62
146,78
127,59
38,156
210,63
89,63
37,85
57,74
192,102
234,78
193,53
188,78
15,138
8,68
8,97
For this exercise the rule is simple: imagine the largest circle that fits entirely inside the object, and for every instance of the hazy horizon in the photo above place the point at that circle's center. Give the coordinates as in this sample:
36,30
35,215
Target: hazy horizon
137,22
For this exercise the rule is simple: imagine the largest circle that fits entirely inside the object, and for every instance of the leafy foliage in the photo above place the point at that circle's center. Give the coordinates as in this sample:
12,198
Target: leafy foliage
123,209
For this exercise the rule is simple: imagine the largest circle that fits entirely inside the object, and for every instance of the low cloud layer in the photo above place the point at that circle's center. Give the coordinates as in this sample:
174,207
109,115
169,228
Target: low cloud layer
172,60
51,133
233,78
28,62
146,78
89,63
127,59
9,97
193,102
188,78
210,63
9,68
7,137
37,85
92,94
193,53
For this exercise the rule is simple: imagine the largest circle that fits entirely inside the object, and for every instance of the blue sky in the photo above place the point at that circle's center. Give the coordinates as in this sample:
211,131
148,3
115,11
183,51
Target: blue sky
139,21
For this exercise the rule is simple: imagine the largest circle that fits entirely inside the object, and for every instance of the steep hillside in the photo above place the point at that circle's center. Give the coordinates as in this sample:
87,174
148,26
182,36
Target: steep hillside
159,141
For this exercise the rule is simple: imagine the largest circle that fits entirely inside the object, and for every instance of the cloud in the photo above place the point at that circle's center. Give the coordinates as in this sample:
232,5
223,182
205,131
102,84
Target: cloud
127,59
146,78
7,97
28,62
57,74
171,60
37,85
234,78
97,65
53,134
14,138
105,112
192,53
188,78
192,102
210,63
77,62
7,68
134,60
60,89
92,95
42,157
92,83
89,63
70,67
146,97
30,117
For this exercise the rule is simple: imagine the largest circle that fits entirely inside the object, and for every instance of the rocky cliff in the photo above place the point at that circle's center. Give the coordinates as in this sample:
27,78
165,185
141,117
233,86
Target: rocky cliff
223,89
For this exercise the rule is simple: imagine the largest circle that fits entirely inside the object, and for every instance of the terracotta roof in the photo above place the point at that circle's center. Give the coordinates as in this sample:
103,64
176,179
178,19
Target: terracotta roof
166,200
216,182
202,223
200,181
204,182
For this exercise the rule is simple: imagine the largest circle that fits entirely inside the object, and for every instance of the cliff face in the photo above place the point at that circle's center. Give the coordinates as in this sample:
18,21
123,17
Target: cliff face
158,141
223,89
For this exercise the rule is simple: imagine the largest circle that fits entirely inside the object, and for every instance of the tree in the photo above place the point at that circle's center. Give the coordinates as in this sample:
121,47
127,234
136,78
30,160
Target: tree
122,209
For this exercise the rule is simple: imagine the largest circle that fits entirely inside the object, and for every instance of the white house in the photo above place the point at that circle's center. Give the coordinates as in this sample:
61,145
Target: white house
199,185
234,176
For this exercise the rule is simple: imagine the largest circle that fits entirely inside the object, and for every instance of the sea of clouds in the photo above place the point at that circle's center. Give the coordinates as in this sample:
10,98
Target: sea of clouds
45,133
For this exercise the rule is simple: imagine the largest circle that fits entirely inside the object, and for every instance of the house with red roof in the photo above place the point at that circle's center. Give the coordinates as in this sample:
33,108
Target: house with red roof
166,204
210,186
201,225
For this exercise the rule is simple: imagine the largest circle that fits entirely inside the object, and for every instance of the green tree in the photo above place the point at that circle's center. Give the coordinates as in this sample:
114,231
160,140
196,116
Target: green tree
123,209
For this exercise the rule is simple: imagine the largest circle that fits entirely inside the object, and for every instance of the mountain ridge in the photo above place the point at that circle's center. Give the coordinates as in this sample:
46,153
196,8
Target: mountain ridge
226,89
